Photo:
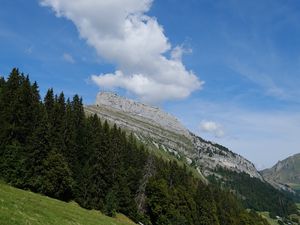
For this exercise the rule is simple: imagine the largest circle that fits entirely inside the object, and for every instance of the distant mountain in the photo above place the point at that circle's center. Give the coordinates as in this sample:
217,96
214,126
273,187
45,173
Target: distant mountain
163,131
285,173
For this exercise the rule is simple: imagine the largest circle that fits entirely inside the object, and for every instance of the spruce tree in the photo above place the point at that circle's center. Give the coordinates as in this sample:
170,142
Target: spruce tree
49,103
59,123
57,179
206,207
38,148
110,204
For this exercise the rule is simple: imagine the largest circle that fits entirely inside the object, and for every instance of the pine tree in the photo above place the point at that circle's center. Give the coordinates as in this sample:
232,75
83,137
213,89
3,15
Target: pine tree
69,136
2,119
20,104
206,207
110,204
94,186
59,123
11,113
11,164
78,120
38,148
49,103
57,177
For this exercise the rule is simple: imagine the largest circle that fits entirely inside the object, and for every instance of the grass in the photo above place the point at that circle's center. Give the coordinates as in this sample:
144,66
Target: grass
266,216
19,207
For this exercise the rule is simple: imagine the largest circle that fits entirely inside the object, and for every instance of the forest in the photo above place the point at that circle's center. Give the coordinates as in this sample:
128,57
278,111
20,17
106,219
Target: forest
257,195
50,146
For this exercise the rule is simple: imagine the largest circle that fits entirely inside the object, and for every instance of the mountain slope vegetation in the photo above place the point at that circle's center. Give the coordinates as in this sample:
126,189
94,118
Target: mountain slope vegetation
255,194
51,147
24,207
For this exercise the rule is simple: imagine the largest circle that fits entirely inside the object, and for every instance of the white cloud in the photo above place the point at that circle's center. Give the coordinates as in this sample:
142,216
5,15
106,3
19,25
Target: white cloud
123,34
68,58
213,128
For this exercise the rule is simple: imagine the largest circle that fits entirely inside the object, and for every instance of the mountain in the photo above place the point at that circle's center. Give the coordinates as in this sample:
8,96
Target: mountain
163,131
285,173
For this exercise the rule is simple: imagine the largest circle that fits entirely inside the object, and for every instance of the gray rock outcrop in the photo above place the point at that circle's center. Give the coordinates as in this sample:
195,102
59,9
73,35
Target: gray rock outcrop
165,132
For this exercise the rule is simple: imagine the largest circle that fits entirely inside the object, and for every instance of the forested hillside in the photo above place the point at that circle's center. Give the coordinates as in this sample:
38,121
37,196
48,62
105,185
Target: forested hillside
257,195
51,147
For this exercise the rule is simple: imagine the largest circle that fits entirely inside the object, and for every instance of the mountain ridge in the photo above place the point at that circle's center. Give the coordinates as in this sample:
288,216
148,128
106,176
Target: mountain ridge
285,174
167,133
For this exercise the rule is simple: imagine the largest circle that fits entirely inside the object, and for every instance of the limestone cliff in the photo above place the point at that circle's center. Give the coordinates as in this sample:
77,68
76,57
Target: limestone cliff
164,131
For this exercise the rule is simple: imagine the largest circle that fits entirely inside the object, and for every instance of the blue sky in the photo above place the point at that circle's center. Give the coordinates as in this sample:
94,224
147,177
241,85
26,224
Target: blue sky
247,53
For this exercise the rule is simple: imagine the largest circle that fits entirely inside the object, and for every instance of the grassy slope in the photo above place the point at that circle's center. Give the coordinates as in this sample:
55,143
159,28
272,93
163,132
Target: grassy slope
24,207
268,218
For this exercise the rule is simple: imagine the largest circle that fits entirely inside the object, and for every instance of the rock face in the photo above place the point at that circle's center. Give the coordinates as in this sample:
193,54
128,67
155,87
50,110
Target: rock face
163,131
285,173
145,112
211,156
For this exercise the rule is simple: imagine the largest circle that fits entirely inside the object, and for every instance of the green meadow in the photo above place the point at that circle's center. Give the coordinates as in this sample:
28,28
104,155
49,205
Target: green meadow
18,207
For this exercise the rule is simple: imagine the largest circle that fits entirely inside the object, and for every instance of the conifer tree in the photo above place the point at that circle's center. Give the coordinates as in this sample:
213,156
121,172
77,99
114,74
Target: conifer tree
110,204
56,177
59,125
49,103
2,111
78,120
206,207
39,147
69,135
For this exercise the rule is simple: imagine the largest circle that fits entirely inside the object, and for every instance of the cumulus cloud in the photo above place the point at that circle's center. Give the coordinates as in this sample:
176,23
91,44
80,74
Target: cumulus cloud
213,128
68,58
122,33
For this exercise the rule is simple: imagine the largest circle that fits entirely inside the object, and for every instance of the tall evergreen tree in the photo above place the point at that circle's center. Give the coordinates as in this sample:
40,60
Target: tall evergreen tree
59,123
110,207
19,116
49,103
78,120
56,177
2,111
206,206
38,148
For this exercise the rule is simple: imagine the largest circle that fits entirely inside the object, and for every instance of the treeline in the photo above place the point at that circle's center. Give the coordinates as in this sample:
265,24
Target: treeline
256,194
51,147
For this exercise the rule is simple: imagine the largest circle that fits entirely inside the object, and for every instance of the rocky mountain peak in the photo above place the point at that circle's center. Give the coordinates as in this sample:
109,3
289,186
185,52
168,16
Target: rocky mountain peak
151,113
162,131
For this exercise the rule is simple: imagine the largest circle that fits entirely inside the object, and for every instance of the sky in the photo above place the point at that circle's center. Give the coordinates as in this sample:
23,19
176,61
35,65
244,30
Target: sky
229,70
